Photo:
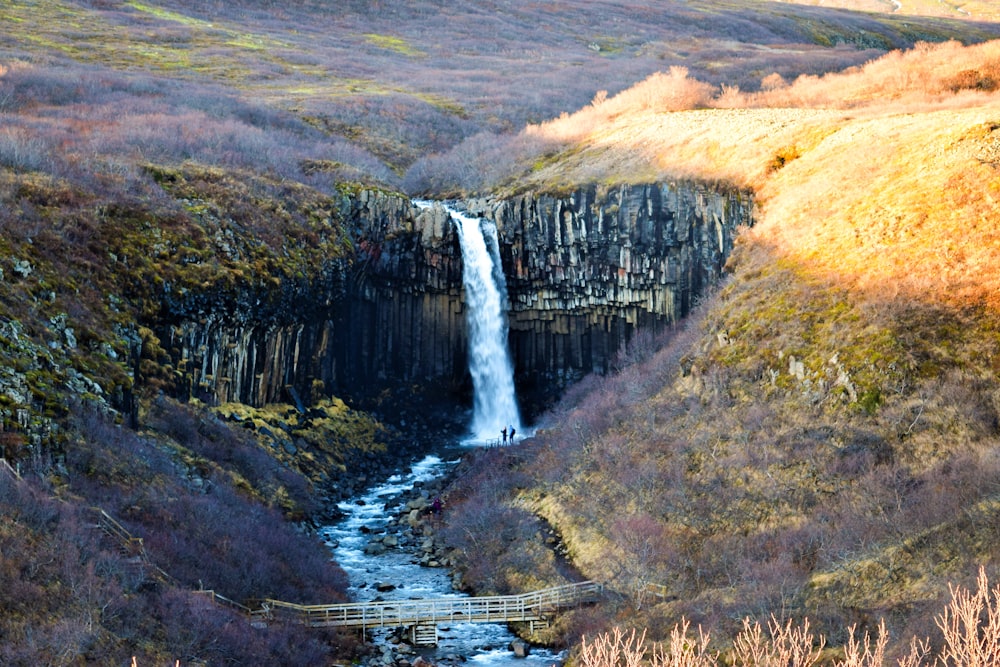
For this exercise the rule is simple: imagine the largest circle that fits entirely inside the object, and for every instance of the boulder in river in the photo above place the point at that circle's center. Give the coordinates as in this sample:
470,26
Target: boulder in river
520,648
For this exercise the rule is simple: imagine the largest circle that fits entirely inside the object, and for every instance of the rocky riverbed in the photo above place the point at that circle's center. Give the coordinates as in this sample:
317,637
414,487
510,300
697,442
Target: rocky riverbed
388,545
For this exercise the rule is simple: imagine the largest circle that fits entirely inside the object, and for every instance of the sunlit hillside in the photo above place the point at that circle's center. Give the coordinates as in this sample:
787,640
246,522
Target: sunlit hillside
821,440
860,176
401,80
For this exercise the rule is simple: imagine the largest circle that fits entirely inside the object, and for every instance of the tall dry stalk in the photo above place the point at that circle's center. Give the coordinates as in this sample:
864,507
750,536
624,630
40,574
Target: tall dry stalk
613,649
787,645
863,652
919,650
684,651
616,649
971,626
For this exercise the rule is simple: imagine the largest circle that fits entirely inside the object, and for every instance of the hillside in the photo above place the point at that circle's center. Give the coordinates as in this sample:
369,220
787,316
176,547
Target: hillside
176,161
398,81
820,439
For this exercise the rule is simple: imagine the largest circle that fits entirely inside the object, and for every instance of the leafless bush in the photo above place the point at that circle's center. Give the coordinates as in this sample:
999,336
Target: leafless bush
684,651
614,649
477,164
23,152
970,624
106,123
865,652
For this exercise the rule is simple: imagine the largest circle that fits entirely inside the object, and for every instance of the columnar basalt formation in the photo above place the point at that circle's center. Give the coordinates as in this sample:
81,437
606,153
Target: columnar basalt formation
583,272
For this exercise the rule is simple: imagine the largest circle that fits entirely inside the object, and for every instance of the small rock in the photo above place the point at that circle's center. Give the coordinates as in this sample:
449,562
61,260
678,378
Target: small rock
23,268
520,648
417,503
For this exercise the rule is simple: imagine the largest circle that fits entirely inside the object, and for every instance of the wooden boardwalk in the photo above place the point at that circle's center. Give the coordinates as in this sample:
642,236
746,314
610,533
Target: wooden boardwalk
536,606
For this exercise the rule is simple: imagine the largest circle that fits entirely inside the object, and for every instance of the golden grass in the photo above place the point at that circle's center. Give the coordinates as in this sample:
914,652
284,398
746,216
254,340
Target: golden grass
974,10
899,206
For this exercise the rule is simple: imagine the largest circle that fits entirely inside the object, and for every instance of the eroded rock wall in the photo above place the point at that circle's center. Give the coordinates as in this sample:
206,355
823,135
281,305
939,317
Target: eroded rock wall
583,273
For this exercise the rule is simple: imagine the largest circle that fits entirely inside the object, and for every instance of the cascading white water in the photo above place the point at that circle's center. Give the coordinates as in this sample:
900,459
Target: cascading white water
494,399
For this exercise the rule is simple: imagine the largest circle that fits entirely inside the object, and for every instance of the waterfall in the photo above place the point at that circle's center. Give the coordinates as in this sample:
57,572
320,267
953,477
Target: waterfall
494,400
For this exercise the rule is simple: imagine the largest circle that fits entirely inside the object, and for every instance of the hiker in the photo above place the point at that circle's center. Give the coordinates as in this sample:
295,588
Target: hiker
512,434
436,506
503,432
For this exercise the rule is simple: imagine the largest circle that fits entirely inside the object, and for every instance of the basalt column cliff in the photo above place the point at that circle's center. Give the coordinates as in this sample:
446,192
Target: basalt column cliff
583,272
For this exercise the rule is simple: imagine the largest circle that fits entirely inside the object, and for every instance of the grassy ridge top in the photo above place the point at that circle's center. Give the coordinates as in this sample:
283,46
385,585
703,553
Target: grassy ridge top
860,176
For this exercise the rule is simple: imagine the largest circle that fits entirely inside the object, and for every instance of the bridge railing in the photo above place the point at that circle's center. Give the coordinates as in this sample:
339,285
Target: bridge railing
395,613
7,467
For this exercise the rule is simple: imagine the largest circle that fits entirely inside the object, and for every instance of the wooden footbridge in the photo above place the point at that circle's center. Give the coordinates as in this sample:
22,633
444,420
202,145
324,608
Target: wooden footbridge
423,616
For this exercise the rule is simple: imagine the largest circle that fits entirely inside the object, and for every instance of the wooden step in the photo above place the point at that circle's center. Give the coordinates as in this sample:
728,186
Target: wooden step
424,634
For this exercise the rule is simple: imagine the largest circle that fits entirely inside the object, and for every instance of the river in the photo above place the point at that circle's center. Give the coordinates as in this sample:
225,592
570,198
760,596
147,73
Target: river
481,643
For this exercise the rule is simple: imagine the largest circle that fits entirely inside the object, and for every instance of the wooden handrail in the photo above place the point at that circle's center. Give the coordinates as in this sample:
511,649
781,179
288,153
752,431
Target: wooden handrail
394,613
5,465
118,531
222,600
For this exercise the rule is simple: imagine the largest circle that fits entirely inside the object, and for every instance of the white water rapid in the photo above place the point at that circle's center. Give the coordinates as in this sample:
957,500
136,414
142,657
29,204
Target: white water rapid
494,400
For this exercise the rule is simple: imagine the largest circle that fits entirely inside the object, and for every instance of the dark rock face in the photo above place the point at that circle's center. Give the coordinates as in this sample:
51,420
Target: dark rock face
583,273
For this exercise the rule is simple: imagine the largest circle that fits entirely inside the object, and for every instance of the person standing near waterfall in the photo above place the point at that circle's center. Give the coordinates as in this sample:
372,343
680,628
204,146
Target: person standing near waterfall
512,434
503,432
